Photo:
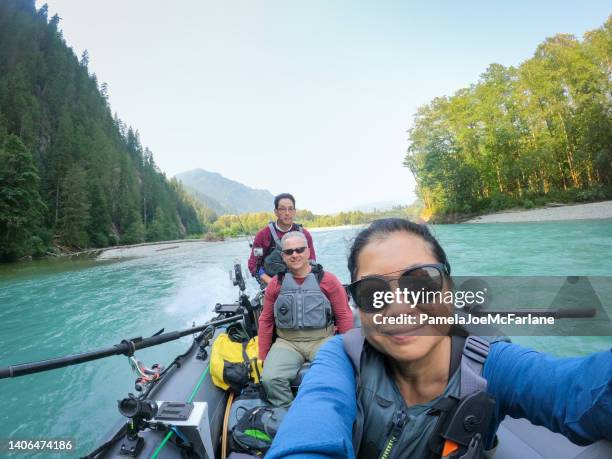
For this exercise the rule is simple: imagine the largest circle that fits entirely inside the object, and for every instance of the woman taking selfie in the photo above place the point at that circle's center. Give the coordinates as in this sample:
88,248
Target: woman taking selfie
411,390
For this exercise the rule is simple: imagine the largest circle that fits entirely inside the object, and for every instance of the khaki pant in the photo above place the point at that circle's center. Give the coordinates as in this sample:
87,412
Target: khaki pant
282,364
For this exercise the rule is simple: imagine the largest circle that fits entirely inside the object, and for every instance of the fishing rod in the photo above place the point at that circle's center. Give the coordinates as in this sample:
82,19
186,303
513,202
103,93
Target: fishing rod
125,347
248,236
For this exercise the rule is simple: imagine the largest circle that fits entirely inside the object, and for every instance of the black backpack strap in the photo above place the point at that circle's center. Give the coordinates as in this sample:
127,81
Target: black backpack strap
319,276
249,363
317,270
466,420
457,345
245,357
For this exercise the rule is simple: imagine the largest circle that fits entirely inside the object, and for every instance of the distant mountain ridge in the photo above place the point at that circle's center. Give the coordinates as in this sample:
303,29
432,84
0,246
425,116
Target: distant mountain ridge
224,195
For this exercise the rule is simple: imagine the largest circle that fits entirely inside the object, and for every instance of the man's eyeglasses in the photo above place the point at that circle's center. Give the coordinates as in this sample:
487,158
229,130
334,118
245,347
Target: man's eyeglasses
422,278
298,250
286,209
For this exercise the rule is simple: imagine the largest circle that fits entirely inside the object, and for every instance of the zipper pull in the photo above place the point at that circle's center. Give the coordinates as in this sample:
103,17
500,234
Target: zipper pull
399,421
397,425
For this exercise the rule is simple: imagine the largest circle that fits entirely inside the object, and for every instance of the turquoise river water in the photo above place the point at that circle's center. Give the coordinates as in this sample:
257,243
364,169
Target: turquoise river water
50,308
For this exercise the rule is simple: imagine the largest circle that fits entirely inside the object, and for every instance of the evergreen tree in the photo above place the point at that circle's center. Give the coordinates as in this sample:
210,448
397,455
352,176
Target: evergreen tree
74,208
135,232
21,206
50,101
159,229
100,223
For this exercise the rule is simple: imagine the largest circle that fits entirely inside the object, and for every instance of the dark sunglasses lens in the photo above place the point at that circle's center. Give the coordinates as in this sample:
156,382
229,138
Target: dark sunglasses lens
367,292
298,250
425,279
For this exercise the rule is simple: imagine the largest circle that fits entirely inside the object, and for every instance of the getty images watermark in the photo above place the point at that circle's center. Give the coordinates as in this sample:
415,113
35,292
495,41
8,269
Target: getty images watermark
459,299
520,305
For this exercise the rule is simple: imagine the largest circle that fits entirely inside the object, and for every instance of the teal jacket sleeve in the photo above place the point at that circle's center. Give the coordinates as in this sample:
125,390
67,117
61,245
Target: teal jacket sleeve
320,421
572,396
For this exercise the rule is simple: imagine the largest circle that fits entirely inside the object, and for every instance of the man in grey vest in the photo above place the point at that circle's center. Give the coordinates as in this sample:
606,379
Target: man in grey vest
306,306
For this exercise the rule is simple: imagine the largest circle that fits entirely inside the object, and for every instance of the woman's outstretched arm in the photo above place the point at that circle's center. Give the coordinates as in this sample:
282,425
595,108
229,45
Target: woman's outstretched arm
572,396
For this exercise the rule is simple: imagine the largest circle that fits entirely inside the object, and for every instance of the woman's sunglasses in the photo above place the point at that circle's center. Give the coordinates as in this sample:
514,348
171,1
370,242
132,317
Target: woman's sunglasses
298,250
368,291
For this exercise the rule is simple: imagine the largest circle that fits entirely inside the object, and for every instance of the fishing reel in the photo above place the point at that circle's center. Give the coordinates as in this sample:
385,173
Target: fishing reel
139,412
134,408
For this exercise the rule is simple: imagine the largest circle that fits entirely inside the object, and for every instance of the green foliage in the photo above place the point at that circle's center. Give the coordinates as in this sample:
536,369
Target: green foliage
528,204
522,136
161,228
135,231
98,184
74,208
250,223
21,207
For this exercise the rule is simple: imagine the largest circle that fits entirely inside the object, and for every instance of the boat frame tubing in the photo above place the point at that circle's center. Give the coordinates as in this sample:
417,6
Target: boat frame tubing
126,347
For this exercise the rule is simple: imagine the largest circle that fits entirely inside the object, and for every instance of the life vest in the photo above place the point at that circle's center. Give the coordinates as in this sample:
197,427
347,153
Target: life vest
273,262
305,306
234,364
457,424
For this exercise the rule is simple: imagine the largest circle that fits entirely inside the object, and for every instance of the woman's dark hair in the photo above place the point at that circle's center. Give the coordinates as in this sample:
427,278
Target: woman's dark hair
380,229
283,196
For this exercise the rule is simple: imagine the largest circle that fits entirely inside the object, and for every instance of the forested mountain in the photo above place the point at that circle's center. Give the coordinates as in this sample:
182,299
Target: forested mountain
209,202
71,173
234,197
521,136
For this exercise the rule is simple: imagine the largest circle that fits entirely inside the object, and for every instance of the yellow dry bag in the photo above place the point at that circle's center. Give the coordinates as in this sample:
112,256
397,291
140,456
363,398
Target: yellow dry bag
233,364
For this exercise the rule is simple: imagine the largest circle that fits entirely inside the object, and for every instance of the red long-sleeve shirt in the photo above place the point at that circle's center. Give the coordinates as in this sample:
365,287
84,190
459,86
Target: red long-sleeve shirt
264,240
331,288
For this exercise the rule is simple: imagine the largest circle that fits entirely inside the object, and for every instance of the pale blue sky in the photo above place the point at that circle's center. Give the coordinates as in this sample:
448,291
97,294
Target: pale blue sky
311,97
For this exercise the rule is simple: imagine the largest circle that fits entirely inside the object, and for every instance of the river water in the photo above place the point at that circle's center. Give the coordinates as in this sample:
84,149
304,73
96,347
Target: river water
51,308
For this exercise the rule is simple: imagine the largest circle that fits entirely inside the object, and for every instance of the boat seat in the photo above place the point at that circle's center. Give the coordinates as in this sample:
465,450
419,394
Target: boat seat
520,438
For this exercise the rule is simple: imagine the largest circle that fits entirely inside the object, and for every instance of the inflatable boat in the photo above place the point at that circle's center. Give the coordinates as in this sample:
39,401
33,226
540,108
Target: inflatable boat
180,413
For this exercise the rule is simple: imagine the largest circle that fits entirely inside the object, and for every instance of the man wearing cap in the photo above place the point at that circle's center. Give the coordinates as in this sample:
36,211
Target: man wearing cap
266,260
306,306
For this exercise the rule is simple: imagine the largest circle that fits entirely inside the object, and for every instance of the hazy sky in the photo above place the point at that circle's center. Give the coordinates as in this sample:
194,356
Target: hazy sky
311,97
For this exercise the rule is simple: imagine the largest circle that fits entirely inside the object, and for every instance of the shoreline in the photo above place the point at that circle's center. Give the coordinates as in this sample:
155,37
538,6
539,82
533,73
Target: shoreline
550,212
318,229
143,249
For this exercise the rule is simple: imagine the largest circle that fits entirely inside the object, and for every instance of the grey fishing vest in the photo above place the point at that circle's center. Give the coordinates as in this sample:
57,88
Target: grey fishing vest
300,307
273,262
385,427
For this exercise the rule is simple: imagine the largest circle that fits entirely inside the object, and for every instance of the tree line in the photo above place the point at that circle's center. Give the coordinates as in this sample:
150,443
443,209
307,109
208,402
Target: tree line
250,223
72,174
524,136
